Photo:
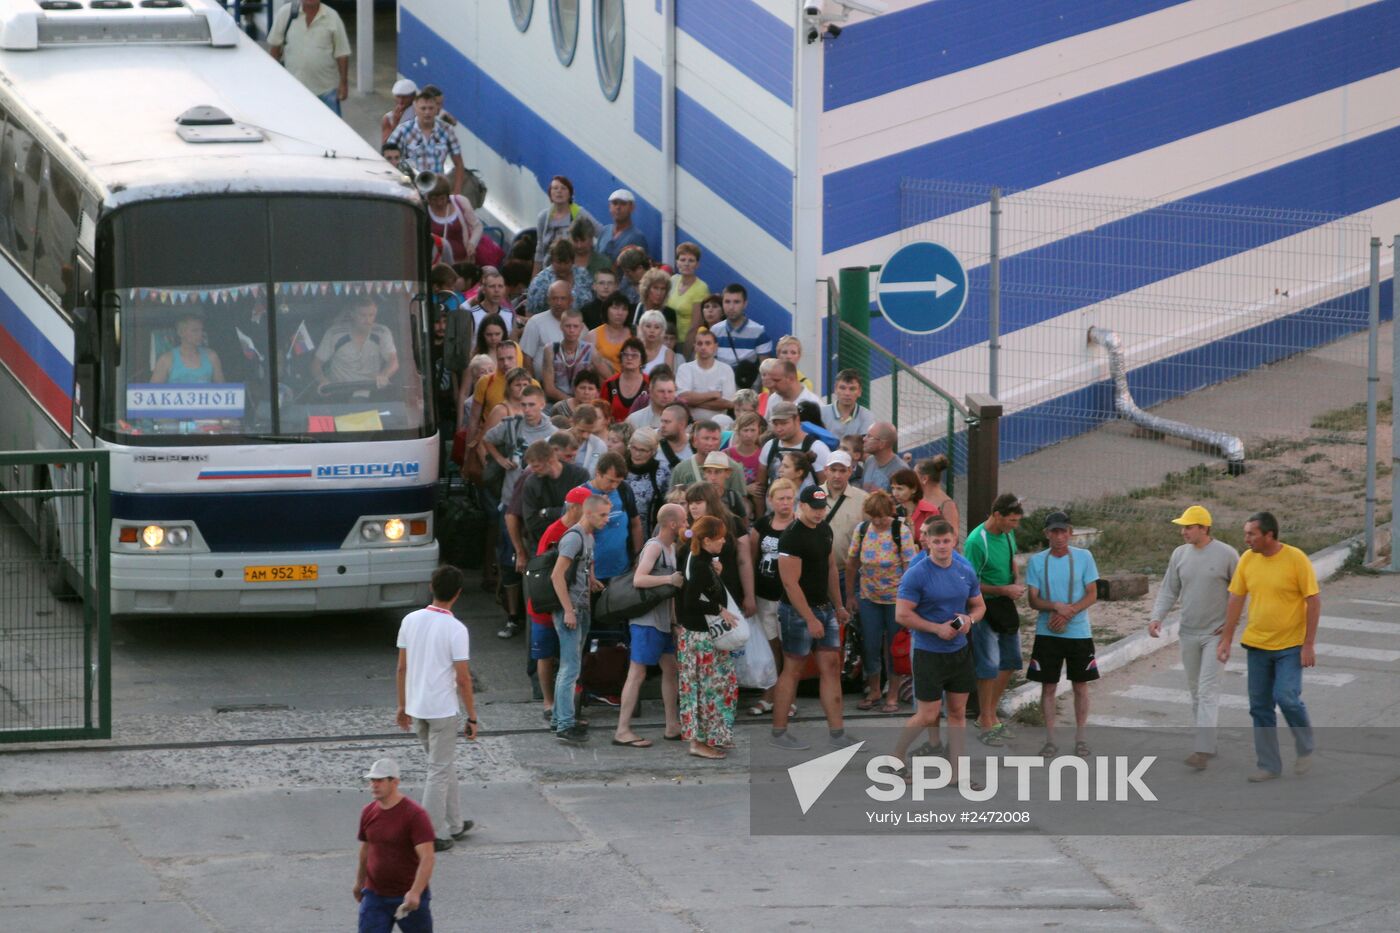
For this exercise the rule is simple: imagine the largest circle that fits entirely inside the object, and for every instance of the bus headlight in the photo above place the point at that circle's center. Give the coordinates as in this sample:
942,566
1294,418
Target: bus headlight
371,531
153,536
394,529
177,536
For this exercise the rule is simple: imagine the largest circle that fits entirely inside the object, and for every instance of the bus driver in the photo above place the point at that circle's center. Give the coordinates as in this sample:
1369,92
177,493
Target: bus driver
190,362
358,351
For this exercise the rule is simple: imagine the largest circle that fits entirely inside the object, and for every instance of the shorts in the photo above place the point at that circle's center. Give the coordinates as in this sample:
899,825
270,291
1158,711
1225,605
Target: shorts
939,672
649,644
544,641
767,617
993,651
1050,651
505,554
797,640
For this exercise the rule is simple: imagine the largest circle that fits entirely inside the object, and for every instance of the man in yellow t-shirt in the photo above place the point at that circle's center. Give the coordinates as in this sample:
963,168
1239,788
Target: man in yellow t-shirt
1284,608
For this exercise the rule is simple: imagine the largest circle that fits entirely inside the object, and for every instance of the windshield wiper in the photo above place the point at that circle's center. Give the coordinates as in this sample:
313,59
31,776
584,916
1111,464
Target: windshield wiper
282,438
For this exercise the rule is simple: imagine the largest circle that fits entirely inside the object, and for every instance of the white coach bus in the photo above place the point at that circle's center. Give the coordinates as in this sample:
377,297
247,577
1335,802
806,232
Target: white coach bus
210,275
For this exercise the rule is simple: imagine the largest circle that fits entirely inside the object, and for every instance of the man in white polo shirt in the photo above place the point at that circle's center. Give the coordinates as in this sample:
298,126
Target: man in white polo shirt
706,384
432,675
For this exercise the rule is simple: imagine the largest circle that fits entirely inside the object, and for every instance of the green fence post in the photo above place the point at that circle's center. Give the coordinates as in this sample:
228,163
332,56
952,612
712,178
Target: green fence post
854,284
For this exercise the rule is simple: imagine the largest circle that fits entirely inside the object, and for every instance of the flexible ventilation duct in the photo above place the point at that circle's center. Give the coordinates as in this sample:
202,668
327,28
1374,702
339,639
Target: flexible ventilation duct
1231,447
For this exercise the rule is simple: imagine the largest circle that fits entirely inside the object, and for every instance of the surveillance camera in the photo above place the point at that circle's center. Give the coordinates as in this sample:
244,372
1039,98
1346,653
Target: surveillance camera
833,31
813,9
868,7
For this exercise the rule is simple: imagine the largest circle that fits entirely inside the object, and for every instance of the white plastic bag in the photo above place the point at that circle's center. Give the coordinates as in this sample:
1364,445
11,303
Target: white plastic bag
755,665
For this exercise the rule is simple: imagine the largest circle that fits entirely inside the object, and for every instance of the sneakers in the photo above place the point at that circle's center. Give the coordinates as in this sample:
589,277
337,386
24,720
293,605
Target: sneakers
574,735
509,630
466,828
442,845
1302,765
1198,760
841,741
1260,776
786,740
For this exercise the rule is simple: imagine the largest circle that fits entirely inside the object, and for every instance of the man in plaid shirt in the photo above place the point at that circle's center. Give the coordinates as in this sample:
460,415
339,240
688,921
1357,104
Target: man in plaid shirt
427,143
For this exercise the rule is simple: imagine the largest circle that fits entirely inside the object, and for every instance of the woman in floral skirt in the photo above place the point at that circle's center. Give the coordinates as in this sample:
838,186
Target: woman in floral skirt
709,687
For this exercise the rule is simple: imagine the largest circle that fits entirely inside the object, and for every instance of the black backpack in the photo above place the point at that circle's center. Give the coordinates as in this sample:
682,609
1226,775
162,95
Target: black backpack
808,439
539,583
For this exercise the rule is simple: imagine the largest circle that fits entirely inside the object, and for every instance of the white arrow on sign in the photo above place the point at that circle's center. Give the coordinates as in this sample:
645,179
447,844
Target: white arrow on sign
940,286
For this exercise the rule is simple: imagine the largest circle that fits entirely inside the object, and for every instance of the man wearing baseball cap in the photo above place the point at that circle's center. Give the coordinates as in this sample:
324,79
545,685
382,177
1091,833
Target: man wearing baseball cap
1060,582
810,616
1198,575
396,857
620,234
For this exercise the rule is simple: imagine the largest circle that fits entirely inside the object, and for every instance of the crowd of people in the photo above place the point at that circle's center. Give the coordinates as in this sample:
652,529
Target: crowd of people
651,445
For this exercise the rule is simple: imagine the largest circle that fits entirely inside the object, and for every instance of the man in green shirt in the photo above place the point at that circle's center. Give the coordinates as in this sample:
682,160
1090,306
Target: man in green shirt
996,644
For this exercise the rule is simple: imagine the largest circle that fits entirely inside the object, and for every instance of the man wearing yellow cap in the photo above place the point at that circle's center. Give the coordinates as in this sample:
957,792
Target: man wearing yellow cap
1198,575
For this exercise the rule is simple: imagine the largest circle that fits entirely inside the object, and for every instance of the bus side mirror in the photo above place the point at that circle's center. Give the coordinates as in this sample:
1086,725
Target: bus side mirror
84,335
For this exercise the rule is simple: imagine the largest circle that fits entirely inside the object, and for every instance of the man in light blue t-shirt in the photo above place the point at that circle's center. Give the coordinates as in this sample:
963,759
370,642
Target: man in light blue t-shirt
1061,583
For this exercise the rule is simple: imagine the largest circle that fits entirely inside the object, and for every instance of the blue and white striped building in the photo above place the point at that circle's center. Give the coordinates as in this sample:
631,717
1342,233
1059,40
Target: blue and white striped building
789,155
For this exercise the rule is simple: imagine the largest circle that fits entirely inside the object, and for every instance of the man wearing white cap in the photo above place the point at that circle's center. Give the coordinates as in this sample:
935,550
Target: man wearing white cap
620,234
404,91
1198,575
396,857
844,509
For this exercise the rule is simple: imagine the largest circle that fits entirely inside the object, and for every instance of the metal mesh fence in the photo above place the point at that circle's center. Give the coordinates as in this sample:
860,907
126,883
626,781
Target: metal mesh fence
1243,320
54,630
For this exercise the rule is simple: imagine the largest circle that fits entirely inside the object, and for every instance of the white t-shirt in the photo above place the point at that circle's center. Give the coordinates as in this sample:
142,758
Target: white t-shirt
478,312
435,640
647,417
718,378
818,449
541,331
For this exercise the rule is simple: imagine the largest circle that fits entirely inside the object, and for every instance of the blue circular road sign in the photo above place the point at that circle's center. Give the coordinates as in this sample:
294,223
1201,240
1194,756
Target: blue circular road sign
922,288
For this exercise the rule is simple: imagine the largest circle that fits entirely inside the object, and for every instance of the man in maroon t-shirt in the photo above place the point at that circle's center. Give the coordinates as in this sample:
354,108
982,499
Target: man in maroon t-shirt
396,857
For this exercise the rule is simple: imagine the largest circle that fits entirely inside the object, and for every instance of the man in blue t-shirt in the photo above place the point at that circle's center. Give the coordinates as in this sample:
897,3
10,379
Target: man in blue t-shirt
939,600
621,537
1060,582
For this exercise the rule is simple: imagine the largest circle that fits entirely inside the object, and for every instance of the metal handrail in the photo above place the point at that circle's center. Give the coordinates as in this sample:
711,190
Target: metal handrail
897,364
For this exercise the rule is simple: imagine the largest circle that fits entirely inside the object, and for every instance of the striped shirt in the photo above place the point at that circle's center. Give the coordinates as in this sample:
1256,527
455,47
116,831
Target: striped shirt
748,342
426,152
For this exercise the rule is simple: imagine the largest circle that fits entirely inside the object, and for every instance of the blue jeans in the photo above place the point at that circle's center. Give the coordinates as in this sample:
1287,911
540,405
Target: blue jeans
377,914
571,642
994,652
1276,679
331,99
797,640
877,631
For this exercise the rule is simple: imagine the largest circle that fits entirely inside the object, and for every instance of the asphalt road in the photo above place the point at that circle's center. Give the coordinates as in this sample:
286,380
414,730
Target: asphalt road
218,809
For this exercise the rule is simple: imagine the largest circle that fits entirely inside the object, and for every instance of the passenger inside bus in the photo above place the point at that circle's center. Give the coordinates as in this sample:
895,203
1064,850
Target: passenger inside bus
189,362
356,351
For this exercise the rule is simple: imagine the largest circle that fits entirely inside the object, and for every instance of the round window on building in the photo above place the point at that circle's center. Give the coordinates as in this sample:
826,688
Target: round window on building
521,11
563,20
609,44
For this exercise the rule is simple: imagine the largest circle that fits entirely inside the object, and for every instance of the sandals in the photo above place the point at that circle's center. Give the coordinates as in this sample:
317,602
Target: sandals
673,738
1049,750
991,737
1082,749
712,755
761,708
868,703
633,743
889,708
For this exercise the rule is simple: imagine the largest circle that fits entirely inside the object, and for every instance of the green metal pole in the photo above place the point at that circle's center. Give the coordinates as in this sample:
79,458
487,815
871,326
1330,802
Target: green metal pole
854,284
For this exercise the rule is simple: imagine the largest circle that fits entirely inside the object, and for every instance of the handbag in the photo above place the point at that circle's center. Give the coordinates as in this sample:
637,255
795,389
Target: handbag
621,600
1001,613
725,638
493,475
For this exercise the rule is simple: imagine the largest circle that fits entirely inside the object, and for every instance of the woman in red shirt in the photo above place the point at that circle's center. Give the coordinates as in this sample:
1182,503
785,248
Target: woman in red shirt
624,391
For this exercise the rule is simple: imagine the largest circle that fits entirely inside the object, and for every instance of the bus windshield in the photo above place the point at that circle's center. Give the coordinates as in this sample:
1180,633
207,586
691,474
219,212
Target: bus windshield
263,319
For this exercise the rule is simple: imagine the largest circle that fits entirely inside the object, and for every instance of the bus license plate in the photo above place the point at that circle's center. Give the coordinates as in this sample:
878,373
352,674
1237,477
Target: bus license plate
287,573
